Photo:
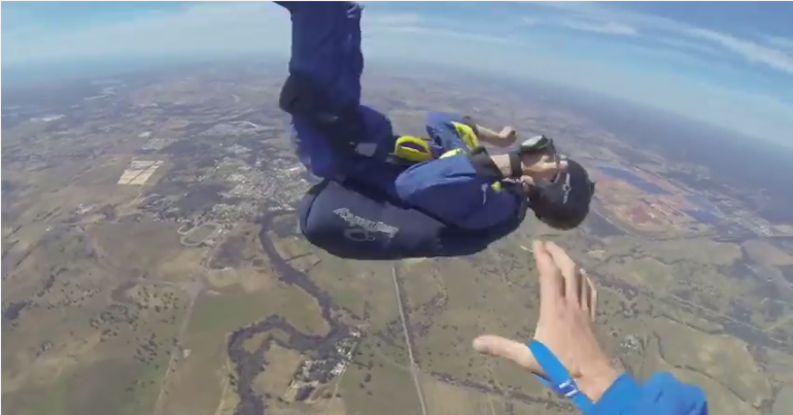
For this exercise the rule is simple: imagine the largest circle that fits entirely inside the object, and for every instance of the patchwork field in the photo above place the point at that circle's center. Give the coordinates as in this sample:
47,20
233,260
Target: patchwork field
139,172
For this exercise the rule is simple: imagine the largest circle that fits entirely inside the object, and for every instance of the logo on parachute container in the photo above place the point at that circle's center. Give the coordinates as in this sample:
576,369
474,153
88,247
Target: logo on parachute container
362,229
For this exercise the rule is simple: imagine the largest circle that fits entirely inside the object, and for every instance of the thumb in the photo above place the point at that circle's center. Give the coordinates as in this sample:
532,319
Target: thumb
511,350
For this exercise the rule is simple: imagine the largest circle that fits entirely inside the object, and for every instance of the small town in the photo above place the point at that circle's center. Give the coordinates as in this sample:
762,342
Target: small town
315,373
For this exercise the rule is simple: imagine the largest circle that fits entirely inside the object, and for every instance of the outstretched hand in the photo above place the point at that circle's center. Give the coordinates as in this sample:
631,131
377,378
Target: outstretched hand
509,135
565,326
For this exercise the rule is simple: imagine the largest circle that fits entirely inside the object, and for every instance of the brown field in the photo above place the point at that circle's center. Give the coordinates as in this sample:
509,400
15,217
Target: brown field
473,300
360,287
372,385
83,361
253,343
223,313
283,363
720,399
768,254
446,399
198,381
160,257
333,406
722,358
698,250
217,315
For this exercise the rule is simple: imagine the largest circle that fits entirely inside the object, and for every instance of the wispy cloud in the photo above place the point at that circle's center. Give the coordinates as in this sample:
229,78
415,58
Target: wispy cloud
780,42
197,29
378,23
698,49
671,55
752,51
771,55
609,28
394,19
431,31
529,21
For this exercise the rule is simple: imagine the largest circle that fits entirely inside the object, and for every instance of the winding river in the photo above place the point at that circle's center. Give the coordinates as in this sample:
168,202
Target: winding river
248,365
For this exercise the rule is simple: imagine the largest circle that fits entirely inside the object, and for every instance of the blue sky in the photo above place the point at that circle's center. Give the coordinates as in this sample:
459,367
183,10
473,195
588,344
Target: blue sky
724,63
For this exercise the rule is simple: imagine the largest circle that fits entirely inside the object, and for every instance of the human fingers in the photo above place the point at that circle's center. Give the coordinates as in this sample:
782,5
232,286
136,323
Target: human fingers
511,350
569,270
585,294
593,298
551,283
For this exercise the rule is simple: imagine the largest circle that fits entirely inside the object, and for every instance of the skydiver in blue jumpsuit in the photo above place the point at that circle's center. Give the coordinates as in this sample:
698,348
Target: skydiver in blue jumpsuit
376,201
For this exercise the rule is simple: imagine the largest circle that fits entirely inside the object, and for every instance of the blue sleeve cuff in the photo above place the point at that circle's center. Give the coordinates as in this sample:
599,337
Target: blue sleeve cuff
624,392
662,394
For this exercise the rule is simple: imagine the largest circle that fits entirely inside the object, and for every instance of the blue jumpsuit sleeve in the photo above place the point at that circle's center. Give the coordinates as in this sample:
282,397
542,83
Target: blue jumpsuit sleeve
662,394
451,190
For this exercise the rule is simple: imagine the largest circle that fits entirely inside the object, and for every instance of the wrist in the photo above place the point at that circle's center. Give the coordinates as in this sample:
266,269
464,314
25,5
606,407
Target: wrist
596,379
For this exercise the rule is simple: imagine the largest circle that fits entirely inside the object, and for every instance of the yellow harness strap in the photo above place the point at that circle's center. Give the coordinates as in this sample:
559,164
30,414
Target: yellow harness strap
417,149
467,134
413,149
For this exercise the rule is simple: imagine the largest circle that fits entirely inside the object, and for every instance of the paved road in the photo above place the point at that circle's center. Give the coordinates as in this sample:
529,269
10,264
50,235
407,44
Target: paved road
414,369
195,288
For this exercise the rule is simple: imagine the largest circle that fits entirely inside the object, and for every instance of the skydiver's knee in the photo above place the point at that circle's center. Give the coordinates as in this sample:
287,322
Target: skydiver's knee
304,96
410,182
311,216
436,119
299,96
